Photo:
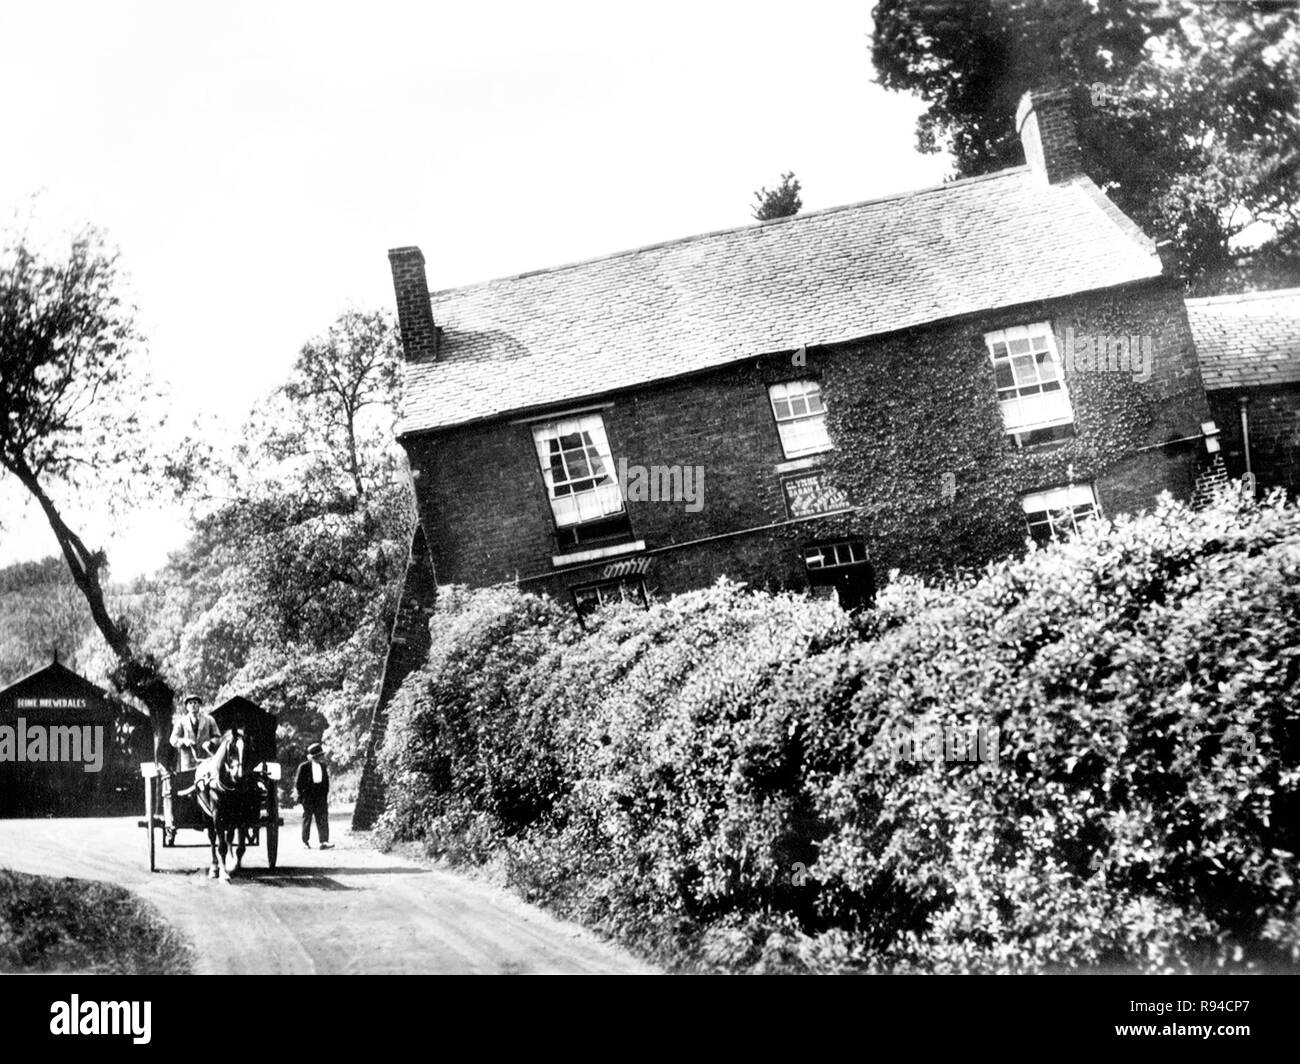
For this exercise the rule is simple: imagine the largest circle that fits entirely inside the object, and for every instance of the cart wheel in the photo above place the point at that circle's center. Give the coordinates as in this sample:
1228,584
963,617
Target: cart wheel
272,826
149,824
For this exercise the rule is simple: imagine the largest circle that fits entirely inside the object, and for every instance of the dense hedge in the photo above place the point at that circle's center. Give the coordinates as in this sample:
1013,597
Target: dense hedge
707,779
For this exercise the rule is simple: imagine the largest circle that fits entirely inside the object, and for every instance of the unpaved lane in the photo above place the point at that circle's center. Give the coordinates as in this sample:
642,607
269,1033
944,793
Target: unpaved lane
346,910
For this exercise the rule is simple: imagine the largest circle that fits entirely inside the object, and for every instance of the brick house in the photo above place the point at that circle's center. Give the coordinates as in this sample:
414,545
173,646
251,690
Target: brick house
1249,350
916,382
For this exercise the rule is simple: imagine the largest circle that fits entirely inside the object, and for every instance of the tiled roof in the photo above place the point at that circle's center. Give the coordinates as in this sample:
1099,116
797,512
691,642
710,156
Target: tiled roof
1248,340
657,312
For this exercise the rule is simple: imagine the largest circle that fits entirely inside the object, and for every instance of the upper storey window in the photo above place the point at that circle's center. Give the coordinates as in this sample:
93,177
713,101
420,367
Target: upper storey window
580,481
1031,388
800,417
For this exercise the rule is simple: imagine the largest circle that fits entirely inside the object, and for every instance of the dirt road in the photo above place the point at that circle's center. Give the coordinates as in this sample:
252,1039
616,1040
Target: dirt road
346,910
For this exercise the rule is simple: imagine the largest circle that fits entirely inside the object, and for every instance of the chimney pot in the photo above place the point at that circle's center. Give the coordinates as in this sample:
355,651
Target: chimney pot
414,311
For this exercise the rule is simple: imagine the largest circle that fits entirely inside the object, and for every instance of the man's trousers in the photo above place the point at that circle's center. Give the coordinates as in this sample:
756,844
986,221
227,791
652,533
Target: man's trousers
321,814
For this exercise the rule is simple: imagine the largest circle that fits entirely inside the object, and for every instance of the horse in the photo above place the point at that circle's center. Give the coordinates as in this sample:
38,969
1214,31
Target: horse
229,797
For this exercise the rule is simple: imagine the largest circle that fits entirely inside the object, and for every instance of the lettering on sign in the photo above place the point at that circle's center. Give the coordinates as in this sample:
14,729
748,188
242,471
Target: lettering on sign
808,494
51,703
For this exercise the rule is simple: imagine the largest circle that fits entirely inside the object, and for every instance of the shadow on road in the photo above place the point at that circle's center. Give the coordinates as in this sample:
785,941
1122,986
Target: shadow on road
288,876
316,878
319,878
388,870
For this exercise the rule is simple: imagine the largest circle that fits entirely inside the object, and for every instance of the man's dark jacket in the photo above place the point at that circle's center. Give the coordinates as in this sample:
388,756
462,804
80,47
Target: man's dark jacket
312,795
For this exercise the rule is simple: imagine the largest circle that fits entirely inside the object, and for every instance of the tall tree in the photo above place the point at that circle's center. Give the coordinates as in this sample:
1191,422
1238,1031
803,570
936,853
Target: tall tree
337,379
70,414
1195,126
971,60
285,591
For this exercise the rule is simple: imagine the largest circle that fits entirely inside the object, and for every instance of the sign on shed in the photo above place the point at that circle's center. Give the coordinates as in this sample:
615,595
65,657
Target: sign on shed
57,737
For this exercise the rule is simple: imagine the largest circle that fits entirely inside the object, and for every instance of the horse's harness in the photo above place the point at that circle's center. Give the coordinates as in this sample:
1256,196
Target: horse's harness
211,779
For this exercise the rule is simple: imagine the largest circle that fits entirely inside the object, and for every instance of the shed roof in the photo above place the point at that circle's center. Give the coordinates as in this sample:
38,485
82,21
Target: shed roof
54,681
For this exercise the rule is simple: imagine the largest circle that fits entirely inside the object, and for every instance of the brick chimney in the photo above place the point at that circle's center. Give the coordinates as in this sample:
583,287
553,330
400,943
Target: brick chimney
1045,122
414,312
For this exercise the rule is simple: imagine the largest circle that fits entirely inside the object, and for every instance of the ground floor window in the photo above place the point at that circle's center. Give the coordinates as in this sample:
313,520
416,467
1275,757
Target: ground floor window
1058,512
841,568
591,597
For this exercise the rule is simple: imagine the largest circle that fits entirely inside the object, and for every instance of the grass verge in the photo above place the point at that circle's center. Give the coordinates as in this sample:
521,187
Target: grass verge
78,925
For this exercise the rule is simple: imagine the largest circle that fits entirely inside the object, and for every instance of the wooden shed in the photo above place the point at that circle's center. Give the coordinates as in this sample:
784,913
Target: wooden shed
58,745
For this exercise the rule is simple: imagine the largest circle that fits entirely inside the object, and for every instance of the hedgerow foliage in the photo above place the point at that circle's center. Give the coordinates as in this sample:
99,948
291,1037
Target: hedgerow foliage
703,779
77,925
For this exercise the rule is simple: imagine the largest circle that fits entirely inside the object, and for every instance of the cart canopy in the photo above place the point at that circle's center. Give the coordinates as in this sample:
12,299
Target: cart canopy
239,712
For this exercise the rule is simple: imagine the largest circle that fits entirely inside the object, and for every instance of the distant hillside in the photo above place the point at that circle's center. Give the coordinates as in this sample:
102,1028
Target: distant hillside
41,610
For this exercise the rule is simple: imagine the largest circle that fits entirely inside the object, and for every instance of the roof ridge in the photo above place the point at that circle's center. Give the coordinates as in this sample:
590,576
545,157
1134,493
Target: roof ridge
1117,217
790,220
55,665
1241,297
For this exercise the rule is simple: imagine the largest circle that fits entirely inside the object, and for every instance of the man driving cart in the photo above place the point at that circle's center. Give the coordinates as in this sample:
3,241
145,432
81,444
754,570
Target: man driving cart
192,733
194,736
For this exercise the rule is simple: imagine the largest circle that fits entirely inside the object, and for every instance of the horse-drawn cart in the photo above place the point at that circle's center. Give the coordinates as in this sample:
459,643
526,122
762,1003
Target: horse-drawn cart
171,801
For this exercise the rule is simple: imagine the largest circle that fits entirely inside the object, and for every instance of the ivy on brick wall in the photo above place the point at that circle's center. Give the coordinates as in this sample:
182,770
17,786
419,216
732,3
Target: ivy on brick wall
920,441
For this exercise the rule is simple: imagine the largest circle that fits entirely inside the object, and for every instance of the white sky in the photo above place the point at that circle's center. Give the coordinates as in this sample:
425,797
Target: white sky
255,161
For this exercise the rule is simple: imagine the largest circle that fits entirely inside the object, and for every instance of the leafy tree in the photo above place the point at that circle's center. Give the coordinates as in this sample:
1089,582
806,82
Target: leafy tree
971,60
339,376
301,621
1197,129
285,591
1213,143
71,399
780,202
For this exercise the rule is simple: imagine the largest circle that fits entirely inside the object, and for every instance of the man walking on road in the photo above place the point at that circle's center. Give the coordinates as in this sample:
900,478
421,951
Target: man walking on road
312,783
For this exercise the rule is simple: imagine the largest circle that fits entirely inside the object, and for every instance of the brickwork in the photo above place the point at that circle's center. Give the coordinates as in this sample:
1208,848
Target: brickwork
1273,416
1210,482
1045,122
407,647
482,500
414,312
